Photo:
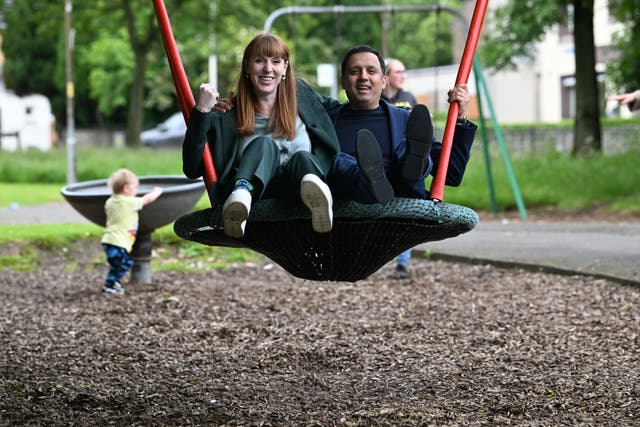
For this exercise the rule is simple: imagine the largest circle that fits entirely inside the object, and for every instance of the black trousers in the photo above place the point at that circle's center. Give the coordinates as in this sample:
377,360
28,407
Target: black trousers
260,165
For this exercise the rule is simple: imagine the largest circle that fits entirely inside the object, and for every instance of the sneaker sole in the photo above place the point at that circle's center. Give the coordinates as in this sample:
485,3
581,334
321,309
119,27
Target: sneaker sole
234,217
369,157
320,206
419,135
112,291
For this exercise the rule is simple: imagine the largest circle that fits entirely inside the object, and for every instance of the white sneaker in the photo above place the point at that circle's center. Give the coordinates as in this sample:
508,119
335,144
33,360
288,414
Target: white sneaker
235,212
315,194
112,290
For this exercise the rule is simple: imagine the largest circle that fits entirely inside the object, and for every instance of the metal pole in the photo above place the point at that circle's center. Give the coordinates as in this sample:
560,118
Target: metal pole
339,10
213,46
71,138
141,253
485,142
182,87
466,63
384,22
501,144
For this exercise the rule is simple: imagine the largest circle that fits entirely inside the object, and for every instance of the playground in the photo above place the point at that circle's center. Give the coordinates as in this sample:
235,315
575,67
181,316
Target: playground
252,345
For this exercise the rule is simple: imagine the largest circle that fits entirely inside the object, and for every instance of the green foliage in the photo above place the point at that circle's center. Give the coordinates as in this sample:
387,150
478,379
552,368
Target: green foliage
33,47
549,179
28,193
25,260
625,69
48,235
30,48
92,163
29,244
515,27
175,254
432,32
111,64
108,34
546,179
104,50
33,165
554,179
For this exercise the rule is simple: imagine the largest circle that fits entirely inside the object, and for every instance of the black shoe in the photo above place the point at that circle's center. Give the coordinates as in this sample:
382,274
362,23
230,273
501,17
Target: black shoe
401,272
419,138
372,176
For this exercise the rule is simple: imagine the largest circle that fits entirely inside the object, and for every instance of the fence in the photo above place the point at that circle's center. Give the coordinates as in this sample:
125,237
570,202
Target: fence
521,141
532,140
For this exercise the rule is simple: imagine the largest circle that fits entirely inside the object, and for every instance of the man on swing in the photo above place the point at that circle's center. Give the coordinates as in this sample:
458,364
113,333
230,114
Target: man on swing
388,151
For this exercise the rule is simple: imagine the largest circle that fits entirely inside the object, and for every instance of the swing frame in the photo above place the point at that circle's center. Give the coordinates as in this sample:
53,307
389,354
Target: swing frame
364,237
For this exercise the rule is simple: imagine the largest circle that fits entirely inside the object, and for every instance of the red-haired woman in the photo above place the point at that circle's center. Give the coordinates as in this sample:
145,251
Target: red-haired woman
277,141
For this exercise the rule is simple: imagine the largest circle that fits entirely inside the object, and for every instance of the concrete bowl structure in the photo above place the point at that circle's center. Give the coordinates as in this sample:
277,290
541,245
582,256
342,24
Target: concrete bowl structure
178,197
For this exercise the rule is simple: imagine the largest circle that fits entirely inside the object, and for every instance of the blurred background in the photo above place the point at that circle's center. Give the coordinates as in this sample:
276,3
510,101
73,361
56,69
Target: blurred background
122,84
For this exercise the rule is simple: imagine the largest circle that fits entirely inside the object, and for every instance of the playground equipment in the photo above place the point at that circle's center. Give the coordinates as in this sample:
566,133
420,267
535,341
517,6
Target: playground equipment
178,197
463,73
364,237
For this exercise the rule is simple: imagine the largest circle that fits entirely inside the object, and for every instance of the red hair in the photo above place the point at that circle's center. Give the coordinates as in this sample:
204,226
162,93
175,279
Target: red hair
285,112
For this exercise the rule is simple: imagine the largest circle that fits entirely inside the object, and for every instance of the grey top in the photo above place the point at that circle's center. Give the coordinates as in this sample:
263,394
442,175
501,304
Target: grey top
300,142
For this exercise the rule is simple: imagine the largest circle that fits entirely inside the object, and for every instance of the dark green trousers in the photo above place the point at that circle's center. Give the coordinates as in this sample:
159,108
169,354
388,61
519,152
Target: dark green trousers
260,165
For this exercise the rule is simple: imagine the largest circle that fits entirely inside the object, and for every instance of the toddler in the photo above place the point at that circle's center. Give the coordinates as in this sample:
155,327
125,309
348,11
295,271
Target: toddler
122,225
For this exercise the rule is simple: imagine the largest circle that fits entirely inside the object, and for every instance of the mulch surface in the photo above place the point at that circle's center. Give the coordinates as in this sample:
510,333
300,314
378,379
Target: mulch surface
456,345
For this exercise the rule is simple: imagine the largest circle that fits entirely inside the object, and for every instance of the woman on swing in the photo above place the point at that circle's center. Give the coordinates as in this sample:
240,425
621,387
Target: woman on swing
276,142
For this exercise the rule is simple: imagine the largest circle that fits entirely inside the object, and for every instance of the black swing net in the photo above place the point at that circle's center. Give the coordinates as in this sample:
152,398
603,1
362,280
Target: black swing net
364,237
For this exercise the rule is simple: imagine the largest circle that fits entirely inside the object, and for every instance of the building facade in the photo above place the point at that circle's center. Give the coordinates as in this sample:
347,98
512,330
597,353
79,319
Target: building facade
543,87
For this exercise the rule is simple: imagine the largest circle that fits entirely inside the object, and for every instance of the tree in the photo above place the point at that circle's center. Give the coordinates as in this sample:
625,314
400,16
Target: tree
125,63
120,68
140,29
519,24
625,69
122,37
33,46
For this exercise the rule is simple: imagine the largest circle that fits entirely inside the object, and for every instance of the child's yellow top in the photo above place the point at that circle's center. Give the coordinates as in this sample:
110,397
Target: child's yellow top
122,220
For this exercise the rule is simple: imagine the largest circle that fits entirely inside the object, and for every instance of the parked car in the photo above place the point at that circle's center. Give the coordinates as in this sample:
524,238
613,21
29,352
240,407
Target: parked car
169,133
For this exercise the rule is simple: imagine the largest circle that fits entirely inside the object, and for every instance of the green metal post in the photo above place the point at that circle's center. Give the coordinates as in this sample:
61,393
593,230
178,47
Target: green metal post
485,145
500,139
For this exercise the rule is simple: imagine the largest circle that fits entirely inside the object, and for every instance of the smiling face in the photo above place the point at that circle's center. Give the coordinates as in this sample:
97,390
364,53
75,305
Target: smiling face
363,81
265,65
265,74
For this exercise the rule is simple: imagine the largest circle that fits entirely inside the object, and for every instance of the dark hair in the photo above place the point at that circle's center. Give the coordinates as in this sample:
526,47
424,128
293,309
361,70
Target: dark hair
360,49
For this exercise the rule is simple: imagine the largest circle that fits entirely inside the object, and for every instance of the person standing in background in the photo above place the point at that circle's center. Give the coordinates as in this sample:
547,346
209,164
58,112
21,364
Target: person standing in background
631,99
395,94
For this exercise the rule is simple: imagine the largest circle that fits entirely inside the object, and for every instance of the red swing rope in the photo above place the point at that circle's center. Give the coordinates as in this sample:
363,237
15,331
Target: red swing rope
183,89
187,101
466,63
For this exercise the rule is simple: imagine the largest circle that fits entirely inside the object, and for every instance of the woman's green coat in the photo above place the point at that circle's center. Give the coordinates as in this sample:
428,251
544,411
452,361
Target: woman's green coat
219,130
